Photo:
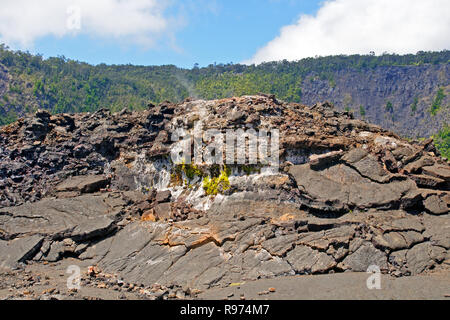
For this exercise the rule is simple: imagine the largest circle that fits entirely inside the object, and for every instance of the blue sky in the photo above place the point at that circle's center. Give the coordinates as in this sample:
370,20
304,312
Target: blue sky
230,31
184,32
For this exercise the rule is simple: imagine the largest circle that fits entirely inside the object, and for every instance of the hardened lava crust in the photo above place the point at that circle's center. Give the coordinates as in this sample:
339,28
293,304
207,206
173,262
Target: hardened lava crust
100,191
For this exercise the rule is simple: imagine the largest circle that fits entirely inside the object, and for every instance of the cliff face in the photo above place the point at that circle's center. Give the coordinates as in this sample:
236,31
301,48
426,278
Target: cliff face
410,89
103,188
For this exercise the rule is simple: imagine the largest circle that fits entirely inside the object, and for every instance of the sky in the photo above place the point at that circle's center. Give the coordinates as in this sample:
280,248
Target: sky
186,32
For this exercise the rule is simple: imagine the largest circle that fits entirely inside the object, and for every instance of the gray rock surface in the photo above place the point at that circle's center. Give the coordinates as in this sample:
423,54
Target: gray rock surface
341,201
83,184
18,250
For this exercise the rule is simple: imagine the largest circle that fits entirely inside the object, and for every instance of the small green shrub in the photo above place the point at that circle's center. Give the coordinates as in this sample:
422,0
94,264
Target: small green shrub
437,102
414,105
389,107
362,111
442,141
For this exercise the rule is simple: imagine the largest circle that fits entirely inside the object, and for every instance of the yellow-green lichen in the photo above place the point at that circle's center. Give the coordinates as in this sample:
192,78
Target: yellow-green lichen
190,171
219,184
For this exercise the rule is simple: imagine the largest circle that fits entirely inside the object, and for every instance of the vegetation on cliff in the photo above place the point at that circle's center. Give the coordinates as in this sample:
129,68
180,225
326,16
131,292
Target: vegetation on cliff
64,85
442,141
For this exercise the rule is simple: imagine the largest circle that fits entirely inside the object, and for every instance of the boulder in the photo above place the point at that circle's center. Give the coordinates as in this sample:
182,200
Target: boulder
82,217
83,184
163,196
438,171
426,181
306,260
340,187
319,160
422,257
435,205
18,250
163,211
364,257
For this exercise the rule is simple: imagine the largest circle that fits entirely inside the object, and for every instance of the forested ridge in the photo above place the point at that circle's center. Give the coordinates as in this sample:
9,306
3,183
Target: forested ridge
405,93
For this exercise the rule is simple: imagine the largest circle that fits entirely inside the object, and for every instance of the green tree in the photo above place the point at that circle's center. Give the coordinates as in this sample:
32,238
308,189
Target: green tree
362,111
436,105
389,107
414,105
442,141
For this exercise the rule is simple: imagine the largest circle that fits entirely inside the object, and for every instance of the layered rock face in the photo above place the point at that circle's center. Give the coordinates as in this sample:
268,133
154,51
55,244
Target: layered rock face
103,188
373,88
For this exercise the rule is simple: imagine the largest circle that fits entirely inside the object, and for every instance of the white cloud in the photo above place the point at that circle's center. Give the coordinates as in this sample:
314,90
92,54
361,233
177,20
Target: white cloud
138,21
361,26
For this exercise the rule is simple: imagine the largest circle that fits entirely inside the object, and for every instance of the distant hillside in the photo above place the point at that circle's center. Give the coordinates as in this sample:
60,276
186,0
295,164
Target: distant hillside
405,93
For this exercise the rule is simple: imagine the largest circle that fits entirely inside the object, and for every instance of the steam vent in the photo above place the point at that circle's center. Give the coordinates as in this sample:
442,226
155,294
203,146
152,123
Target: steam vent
103,190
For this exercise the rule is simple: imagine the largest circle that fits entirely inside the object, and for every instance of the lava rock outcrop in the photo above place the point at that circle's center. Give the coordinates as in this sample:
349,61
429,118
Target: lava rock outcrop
101,187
